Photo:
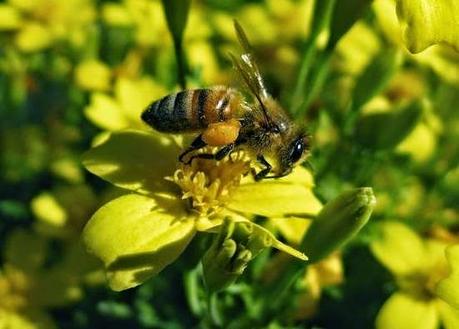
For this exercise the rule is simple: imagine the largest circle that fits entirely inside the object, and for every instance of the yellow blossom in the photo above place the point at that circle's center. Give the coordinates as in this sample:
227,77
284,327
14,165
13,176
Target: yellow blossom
154,225
9,18
93,75
122,110
418,266
48,21
442,59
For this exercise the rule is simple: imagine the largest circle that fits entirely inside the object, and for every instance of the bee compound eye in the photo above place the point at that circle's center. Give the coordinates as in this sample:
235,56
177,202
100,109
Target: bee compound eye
297,150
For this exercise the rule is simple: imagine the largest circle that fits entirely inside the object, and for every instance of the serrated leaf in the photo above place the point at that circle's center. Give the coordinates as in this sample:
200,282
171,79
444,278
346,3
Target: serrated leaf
136,237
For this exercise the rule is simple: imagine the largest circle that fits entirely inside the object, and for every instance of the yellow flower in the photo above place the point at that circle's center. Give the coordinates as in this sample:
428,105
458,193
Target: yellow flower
418,266
418,35
138,234
93,75
122,110
47,21
145,16
57,213
10,18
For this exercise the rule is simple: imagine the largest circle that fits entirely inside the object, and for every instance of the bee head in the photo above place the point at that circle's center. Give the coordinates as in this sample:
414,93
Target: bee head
295,150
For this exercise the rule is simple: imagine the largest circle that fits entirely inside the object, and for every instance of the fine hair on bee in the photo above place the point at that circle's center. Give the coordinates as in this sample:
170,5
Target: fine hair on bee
223,118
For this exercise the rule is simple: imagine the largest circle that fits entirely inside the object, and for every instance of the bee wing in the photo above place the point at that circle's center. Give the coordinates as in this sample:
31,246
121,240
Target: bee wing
248,69
248,63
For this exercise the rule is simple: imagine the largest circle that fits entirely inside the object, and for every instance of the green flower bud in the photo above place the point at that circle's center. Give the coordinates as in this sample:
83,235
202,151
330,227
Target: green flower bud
232,249
340,220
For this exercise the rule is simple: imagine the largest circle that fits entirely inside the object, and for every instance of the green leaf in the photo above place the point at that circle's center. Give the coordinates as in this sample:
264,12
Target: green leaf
339,221
387,129
134,160
376,76
345,14
176,16
428,22
136,237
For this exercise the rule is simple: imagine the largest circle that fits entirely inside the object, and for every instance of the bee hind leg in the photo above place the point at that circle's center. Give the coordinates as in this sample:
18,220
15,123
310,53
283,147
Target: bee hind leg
223,152
197,144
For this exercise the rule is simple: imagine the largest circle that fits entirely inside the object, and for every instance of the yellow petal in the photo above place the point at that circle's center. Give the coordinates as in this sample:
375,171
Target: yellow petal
421,135
105,113
399,248
47,209
274,199
93,75
402,311
33,37
448,315
427,22
115,14
134,160
137,236
135,95
9,18
448,288
25,320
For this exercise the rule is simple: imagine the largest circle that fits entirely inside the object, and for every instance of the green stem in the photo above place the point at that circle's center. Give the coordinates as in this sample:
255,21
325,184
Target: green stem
319,76
190,279
277,292
323,10
181,66
298,93
214,313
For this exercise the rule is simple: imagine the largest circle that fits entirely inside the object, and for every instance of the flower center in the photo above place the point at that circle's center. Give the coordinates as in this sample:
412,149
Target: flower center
208,184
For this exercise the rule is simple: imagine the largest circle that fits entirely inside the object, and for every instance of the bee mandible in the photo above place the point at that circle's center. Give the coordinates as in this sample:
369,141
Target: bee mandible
225,119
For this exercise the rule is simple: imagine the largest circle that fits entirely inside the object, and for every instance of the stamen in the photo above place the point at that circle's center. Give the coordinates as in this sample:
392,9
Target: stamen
208,184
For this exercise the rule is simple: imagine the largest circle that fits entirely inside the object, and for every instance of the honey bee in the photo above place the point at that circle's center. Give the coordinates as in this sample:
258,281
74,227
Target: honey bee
226,120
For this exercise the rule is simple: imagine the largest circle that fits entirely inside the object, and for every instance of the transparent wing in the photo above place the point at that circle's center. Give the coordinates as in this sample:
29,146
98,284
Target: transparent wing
248,63
248,69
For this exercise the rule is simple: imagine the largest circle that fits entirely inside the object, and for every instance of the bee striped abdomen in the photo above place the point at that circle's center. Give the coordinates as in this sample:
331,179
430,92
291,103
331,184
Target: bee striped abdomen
190,110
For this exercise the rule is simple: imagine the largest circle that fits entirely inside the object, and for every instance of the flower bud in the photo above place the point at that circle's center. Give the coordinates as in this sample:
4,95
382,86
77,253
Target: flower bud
232,249
340,220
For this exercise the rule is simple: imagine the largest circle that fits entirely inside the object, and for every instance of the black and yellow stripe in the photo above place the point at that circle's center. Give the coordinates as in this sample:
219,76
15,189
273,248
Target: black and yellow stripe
190,110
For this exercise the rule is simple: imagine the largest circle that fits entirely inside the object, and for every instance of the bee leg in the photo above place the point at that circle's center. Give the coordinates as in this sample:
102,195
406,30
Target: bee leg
285,173
223,152
197,144
264,172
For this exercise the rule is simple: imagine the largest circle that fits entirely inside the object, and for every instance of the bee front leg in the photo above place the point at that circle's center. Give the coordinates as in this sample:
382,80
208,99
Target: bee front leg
264,172
197,144
224,151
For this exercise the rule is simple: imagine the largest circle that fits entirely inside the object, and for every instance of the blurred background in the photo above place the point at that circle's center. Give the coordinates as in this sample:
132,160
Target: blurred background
73,71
